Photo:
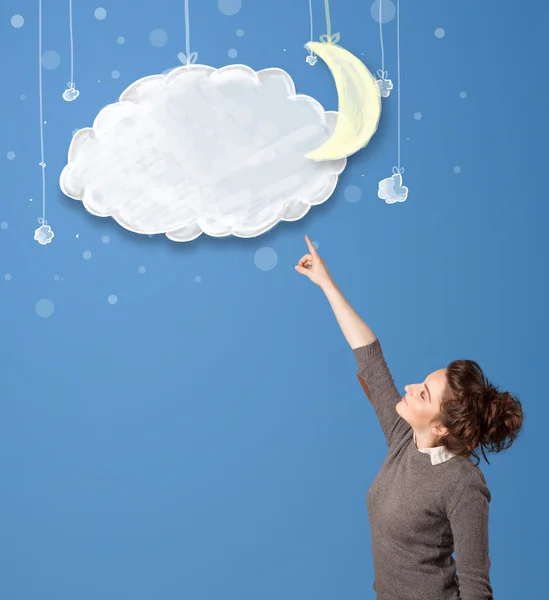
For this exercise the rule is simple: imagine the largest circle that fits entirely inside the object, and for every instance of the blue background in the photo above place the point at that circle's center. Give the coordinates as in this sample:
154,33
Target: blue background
210,439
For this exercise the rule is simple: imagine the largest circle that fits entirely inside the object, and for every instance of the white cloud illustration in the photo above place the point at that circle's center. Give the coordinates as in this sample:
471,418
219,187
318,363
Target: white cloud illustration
204,150
391,189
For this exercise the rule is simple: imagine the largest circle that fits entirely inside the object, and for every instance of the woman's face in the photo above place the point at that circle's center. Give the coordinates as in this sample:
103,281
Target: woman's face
420,406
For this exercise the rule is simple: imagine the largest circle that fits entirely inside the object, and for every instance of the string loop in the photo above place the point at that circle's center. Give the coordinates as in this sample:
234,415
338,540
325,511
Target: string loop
330,39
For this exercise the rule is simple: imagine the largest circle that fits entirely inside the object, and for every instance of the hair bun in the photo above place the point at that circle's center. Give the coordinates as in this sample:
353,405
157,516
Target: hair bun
476,412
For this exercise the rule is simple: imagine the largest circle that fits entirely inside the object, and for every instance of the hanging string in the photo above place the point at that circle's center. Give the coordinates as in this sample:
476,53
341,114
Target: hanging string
328,20
187,29
71,93
42,163
72,44
398,81
312,58
43,234
385,85
187,58
311,18
381,38
328,38
391,189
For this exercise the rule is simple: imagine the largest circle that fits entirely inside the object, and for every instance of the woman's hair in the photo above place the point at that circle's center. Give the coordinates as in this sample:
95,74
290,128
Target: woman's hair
476,413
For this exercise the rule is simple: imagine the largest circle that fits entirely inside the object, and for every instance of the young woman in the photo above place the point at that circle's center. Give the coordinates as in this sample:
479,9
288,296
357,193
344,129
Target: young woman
428,500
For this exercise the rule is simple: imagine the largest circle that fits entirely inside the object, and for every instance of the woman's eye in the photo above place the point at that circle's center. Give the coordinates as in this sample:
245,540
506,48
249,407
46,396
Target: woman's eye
423,394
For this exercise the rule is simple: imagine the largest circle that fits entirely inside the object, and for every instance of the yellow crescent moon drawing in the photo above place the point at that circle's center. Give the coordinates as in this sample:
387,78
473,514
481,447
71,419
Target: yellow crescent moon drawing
359,102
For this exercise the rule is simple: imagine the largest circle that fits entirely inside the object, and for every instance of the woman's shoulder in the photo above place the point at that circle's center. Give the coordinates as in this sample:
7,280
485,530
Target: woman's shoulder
468,480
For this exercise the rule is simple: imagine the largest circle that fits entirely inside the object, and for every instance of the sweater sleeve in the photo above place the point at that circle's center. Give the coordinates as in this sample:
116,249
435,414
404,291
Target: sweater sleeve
469,524
377,382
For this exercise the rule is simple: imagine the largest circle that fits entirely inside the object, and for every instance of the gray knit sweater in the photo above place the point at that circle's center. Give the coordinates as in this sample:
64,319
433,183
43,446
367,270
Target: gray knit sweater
421,511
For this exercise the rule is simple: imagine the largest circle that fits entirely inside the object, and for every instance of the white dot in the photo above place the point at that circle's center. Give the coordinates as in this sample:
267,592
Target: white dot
44,308
265,259
240,32
315,244
17,21
22,96
142,270
87,255
417,116
352,193
100,13
50,60
229,7
112,299
105,239
198,279
457,169
7,277
463,95
232,53
388,11
121,40
4,225
10,155
439,32
158,38
115,74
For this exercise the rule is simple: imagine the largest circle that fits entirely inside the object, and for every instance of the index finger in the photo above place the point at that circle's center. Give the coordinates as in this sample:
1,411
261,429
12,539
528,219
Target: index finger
312,249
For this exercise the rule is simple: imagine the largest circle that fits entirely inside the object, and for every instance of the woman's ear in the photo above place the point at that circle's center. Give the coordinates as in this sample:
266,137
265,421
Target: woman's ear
439,430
